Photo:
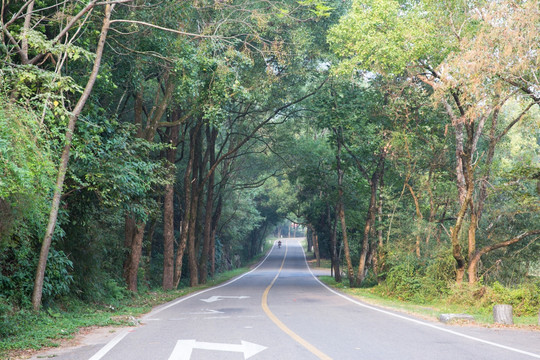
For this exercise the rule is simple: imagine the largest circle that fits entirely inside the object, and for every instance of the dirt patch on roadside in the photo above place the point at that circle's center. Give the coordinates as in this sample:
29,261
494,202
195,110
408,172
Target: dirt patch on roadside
93,335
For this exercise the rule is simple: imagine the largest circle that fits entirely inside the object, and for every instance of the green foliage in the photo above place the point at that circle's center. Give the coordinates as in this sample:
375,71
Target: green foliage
117,166
26,168
39,43
409,278
318,7
25,329
252,59
402,278
17,277
439,275
524,298
241,216
381,35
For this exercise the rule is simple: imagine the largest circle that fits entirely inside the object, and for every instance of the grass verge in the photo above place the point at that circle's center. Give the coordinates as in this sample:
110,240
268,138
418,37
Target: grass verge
33,331
429,310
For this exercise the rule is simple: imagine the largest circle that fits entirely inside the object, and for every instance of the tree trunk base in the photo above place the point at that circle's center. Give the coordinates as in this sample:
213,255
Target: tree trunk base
502,314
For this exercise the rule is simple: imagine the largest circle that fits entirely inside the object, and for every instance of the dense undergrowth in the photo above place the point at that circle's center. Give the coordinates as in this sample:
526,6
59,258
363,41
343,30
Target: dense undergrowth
416,295
428,287
413,281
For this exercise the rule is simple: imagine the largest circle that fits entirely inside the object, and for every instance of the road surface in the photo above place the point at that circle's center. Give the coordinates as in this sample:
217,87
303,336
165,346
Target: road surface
280,310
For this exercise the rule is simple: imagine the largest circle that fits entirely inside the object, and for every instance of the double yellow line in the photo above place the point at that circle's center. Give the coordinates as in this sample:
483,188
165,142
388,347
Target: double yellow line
281,325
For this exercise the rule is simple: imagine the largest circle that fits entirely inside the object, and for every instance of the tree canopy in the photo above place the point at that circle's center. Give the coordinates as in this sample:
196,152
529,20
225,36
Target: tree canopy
150,144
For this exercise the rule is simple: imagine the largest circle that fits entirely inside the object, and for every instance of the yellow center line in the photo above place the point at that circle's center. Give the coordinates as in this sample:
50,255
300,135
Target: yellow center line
281,325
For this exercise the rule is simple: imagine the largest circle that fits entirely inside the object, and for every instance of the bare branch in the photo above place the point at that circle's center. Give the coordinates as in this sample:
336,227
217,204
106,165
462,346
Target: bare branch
515,121
169,29
68,27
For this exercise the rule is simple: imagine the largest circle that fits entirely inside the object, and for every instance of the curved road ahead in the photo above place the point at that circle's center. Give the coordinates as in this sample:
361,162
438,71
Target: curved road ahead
281,311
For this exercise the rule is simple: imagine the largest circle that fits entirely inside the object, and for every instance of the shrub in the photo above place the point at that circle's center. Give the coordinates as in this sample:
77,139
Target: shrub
17,280
439,274
525,298
402,280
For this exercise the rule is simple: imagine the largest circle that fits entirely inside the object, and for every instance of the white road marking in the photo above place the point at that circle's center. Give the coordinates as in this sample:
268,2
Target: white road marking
537,356
217,317
219,297
184,348
104,350
206,312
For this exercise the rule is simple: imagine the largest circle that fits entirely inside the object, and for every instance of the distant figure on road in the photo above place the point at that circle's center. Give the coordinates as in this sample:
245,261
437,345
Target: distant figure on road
279,244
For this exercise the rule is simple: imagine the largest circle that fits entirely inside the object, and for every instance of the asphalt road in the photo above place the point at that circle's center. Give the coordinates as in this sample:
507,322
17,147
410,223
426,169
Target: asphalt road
280,310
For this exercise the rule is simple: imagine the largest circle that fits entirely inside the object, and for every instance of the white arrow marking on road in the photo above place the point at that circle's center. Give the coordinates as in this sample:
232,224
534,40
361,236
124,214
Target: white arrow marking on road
217,298
184,348
206,312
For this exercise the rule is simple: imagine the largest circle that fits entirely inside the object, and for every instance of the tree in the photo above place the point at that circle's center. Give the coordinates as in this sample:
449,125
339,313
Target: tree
436,43
40,272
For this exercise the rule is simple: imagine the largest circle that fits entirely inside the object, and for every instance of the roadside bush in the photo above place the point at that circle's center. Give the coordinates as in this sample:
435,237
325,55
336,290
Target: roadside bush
5,320
402,278
439,274
17,280
525,298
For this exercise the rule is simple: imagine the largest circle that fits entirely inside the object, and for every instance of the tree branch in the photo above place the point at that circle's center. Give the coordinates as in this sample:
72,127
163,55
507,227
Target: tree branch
518,238
515,121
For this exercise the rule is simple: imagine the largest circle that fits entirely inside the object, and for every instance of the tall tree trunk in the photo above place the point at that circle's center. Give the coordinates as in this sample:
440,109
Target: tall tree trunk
225,172
473,224
211,135
215,221
333,242
184,234
341,210
419,218
454,233
192,239
168,238
168,210
195,194
368,229
378,259
458,125
129,233
460,176
309,240
380,214
374,181
316,248
315,241
477,211
135,256
64,159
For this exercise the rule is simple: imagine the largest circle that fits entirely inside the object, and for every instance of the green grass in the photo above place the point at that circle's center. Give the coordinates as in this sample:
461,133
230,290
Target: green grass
429,309
47,328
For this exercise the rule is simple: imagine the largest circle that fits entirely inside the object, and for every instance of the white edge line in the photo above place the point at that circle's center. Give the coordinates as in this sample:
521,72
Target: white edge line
414,320
104,350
